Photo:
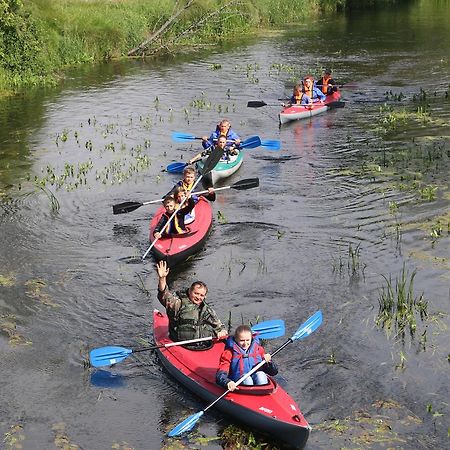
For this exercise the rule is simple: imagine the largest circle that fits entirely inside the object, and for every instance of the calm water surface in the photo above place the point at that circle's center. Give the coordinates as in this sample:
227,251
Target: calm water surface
71,280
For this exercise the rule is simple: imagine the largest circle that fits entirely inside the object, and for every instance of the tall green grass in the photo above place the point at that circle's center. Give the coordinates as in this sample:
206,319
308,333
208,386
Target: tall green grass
39,38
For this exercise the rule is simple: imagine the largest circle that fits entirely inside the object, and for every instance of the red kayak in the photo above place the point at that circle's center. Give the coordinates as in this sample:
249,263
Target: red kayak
296,112
177,248
267,408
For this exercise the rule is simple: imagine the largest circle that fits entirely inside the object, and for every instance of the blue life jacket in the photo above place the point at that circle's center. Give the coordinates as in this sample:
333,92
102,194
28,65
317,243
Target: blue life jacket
242,361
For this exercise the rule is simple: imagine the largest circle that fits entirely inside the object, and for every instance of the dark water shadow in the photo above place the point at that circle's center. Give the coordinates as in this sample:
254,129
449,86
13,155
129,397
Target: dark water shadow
106,379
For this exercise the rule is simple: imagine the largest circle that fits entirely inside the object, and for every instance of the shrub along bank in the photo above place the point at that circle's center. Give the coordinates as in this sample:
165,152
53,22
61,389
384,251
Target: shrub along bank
39,38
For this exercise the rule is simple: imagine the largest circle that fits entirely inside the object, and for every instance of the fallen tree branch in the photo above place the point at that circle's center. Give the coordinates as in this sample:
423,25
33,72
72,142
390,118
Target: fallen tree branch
196,25
140,49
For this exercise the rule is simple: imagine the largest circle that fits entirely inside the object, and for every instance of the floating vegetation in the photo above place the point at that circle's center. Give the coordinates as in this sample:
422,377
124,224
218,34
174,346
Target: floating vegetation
201,103
122,446
391,119
428,193
14,437
7,280
8,326
398,305
393,97
215,66
61,440
35,290
374,428
234,437
221,218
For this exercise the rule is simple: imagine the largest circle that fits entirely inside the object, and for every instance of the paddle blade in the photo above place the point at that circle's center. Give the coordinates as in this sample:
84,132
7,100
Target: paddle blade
251,142
212,160
183,137
126,207
186,425
176,167
106,356
249,183
270,144
336,104
308,327
270,329
256,104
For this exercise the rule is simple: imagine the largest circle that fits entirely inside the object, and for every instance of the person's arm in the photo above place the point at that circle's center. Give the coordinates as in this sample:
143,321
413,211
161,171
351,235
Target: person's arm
197,157
234,137
306,100
223,371
162,270
188,206
270,367
213,320
320,95
159,226
211,195
207,143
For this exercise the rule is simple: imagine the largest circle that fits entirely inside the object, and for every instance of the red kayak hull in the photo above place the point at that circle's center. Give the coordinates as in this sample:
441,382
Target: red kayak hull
266,408
297,112
177,248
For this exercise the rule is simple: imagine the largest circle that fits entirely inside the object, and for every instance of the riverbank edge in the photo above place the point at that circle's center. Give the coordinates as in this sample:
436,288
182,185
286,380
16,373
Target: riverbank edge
39,39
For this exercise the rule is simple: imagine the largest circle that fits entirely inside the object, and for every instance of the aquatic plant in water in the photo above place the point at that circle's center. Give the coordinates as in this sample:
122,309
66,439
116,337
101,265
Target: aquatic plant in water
398,305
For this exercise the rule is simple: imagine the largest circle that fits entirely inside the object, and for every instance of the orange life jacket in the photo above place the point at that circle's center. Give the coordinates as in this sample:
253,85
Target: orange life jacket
298,98
325,84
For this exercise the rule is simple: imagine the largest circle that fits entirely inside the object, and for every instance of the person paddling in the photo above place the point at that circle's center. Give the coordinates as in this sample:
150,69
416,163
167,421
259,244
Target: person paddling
242,353
326,84
222,141
180,194
223,127
177,225
298,97
190,317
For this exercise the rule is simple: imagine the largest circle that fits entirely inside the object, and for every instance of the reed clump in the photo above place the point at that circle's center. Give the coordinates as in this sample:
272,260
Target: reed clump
399,306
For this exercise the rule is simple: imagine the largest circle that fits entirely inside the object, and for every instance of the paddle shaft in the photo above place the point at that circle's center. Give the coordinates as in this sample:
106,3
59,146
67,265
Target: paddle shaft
173,344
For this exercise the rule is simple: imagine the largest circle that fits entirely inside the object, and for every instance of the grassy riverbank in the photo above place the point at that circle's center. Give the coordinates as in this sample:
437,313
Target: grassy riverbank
39,38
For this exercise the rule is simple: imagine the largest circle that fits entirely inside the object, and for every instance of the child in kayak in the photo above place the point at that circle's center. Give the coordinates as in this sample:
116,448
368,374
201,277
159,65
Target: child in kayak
223,127
314,93
187,181
228,150
243,352
298,97
180,194
177,225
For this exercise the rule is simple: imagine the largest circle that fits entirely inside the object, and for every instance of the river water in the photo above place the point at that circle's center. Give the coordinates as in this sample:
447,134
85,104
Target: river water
328,221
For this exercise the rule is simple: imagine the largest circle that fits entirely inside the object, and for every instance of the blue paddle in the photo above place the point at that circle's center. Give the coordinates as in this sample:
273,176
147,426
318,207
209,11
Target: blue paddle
176,167
268,144
251,142
106,356
303,331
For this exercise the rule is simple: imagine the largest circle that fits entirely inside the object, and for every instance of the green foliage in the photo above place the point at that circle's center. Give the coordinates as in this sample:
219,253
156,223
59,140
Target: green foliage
38,38
21,44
